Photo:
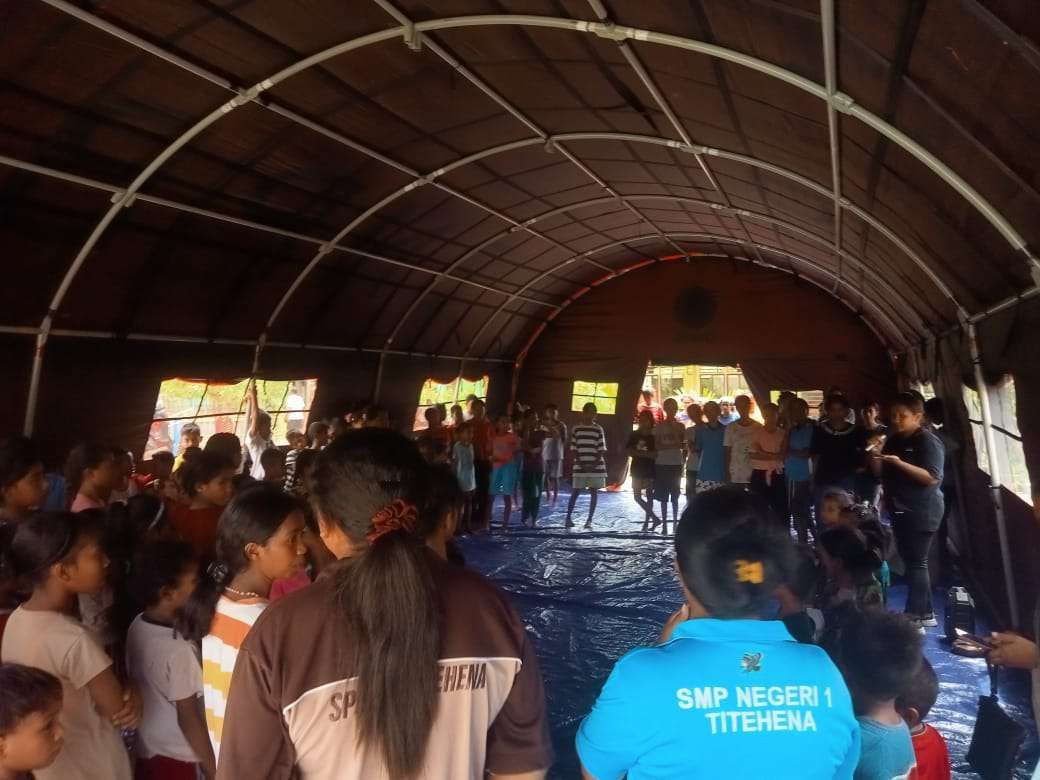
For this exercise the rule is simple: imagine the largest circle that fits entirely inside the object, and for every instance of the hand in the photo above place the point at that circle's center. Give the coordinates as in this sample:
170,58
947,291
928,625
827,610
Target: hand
1013,650
130,715
680,615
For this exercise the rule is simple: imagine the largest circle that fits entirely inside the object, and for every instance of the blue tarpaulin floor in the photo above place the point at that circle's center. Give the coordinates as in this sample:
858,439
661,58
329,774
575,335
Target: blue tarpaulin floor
587,597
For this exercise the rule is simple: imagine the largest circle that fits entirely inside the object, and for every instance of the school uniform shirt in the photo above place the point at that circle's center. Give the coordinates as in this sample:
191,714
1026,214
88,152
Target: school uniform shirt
887,752
933,757
903,493
297,719
709,441
60,645
589,445
800,438
722,698
255,446
166,669
739,439
642,468
462,463
668,439
839,453
231,623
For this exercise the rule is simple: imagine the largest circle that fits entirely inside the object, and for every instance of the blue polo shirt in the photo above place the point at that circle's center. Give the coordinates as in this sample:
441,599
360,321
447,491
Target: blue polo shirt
709,441
800,438
723,698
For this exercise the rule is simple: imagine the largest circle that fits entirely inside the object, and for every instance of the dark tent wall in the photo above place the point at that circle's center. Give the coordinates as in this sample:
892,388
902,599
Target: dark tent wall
105,390
784,333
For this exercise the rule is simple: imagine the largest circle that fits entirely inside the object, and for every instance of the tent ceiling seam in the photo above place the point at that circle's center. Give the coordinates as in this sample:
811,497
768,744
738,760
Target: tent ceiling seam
833,131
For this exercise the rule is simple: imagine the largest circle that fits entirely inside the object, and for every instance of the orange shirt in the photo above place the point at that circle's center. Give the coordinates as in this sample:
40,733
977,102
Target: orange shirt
198,527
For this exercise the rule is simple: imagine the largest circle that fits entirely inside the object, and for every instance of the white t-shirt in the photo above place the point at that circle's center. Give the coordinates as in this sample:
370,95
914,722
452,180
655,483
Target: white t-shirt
693,460
739,438
668,439
256,445
166,668
62,646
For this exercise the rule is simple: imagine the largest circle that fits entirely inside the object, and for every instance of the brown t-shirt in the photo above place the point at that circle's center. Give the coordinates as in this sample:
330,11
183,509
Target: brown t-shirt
290,708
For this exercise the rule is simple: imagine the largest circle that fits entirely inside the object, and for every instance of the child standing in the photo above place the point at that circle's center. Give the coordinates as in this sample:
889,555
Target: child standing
258,542
552,451
709,451
767,463
533,469
208,483
589,445
258,433
30,731
462,465
695,416
880,655
933,757
737,443
172,742
91,474
505,471
796,468
669,439
59,555
191,436
641,450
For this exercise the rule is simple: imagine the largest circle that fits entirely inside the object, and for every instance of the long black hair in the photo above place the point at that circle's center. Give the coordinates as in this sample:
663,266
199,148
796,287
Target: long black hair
18,455
253,516
386,594
30,548
731,553
202,468
88,455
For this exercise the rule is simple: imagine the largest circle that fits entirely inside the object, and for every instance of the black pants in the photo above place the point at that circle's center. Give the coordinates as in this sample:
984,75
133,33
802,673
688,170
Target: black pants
774,493
913,538
481,497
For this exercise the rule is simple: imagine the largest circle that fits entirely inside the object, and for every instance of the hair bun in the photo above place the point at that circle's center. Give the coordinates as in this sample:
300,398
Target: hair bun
218,572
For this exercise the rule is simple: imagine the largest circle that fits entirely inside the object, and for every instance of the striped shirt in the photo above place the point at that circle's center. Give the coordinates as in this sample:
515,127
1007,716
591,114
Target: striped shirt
589,445
220,646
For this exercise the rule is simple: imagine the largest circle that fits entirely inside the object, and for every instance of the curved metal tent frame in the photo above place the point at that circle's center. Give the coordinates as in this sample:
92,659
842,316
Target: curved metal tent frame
413,34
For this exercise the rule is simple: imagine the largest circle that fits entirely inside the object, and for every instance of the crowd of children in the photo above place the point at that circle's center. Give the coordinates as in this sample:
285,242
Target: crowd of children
176,624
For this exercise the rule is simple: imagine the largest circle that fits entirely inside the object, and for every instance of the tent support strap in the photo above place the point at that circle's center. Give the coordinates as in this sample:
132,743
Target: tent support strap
994,472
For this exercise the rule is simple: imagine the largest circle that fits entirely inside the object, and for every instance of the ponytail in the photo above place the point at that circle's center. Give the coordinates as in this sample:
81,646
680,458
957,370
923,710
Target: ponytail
252,517
370,483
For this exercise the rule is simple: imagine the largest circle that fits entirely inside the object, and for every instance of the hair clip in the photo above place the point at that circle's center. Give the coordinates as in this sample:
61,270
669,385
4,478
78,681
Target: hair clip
218,572
395,516
750,571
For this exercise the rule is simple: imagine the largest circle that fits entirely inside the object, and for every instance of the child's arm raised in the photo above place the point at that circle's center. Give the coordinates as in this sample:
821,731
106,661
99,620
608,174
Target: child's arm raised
253,406
191,717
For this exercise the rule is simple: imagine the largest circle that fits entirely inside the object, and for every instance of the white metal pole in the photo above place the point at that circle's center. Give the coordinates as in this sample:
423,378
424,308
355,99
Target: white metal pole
994,473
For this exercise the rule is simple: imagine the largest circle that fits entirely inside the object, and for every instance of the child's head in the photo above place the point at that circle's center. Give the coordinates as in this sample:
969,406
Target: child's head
880,654
919,697
671,408
743,405
228,445
260,531
191,436
831,505
457,417
477,409
91,466
162,464
31,735
797,411
906,413
318,434
164,574
433,417
869,414
531,418
263,425
712,412
646,420
296,440
272,461
124,464
208,479
730,554
850,554
57,549
551,412
503,423
800,587
23,487
836,407
695,413
770,413
588,412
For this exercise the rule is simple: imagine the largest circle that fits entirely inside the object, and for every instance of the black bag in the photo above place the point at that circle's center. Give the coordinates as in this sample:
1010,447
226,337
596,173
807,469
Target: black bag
960,612
997,737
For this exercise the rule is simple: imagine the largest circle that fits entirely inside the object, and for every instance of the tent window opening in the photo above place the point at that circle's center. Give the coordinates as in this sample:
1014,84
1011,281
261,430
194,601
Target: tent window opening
448,393
1010,453
220,407
602,394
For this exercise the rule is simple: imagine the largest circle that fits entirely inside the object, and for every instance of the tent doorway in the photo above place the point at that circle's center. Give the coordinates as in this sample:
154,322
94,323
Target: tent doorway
693,384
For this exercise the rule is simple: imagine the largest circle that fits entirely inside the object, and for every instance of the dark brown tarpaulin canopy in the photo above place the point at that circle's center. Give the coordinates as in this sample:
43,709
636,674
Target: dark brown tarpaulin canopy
376,191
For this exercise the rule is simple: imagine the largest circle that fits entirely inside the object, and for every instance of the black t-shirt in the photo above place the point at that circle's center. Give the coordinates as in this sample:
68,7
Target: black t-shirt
839,453
923,449
642,468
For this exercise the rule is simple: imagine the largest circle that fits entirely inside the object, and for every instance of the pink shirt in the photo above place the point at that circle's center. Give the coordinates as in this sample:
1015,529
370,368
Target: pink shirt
85,502
284,587
771,442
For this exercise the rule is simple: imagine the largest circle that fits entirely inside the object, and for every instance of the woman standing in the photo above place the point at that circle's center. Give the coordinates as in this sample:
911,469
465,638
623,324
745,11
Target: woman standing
911,471
724,693
398,664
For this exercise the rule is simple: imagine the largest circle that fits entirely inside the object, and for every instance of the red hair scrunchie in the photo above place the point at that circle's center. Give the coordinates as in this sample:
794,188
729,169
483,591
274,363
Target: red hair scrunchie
395,516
